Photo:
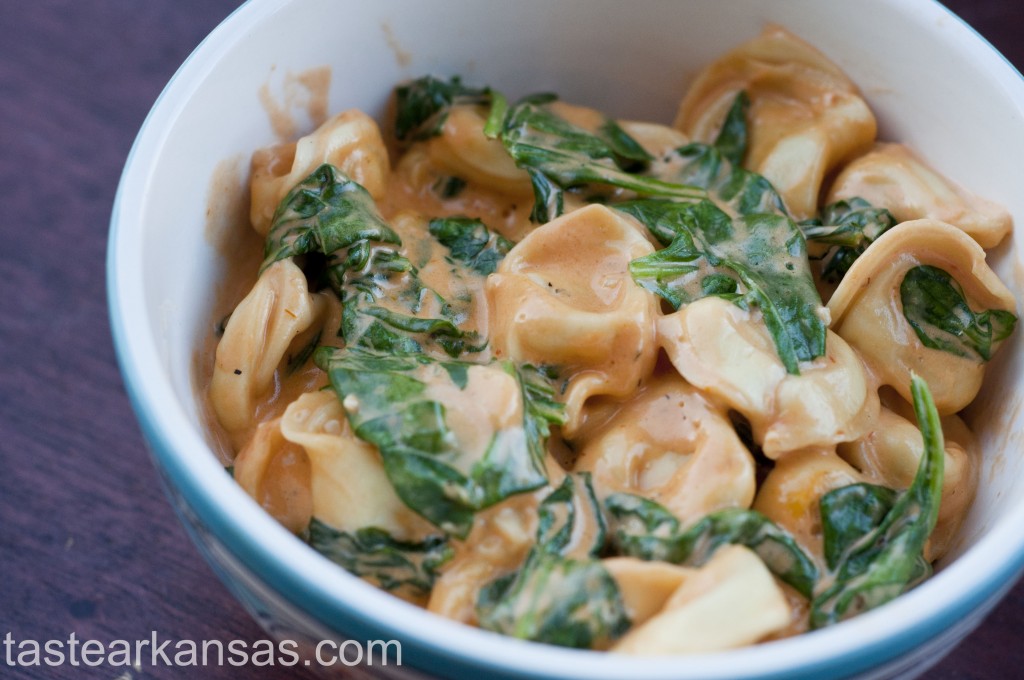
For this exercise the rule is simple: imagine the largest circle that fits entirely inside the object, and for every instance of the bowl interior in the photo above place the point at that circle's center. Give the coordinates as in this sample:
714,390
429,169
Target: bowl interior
632,60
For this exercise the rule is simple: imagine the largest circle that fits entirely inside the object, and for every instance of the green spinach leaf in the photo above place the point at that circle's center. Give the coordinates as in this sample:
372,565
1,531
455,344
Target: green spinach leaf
426,463
373,554
570,521
756,260
422,106
373,327
332,221
329,214
557,601
561,595
732,138
846,228
850,512
471,242
935,306
645,529
542,410
889,559
559,155
743,191
718,167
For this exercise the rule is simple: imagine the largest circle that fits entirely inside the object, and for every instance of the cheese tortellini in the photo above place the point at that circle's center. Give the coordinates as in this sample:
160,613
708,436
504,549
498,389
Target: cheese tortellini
791,493
806,116
670,444
730,602
870,309
463,150
891,176
256,339
349,487
351,141
564,296
647,387
720,349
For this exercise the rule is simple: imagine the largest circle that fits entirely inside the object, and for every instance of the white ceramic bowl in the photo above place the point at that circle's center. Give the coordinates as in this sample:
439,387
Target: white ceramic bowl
932,82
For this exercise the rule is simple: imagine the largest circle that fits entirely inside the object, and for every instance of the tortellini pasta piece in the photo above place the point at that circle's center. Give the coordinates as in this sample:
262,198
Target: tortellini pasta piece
421,184
731,601
464,150
890,454
790,494
351,141
501,537
256,339
891,176
722,350
564,297
276,474
308,463
806,116
645,586
671,445
867,309
350,488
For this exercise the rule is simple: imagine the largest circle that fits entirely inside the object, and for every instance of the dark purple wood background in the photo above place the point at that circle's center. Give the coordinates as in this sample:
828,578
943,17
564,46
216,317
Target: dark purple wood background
88,542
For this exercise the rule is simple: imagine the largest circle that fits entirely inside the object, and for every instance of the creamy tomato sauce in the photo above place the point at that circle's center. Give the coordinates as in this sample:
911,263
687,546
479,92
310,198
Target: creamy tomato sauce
608,384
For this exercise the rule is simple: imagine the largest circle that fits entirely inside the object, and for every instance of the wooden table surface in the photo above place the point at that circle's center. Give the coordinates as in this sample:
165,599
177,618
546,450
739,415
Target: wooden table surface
88,542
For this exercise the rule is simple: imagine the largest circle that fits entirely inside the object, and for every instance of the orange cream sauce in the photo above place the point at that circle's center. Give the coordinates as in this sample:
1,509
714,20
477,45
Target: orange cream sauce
428,180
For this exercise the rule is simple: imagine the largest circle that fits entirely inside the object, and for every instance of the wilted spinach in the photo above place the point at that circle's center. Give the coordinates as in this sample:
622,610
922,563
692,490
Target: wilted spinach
422,457
332,219
541,410
384,367
718,168
422,106
329,214
732,139
570,522
875,566
559,155
849,513
935,307
557,601
561,595
757,260
847,228
644,529
471,242
372,553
